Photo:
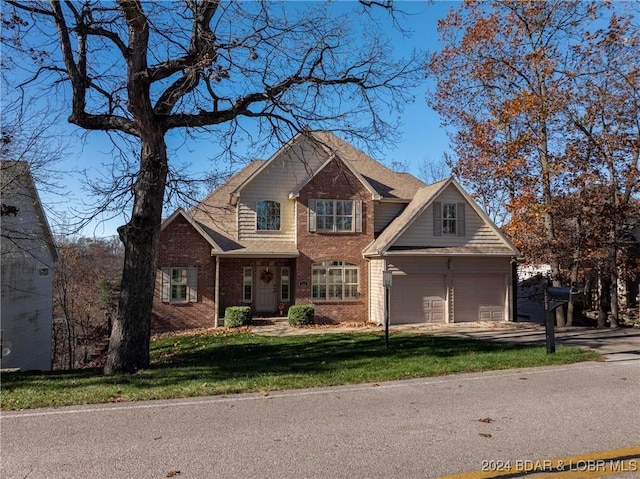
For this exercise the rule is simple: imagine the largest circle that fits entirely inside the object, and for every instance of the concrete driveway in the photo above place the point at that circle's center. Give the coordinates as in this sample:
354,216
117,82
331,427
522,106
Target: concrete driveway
615,344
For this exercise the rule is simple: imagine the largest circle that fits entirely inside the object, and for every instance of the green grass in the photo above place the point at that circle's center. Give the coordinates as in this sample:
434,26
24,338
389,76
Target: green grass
241,362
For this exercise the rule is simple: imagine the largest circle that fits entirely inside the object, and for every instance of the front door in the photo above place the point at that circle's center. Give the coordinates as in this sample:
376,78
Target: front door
266,289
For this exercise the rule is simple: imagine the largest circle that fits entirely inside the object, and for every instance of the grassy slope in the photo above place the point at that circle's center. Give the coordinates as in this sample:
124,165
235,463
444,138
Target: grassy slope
239,362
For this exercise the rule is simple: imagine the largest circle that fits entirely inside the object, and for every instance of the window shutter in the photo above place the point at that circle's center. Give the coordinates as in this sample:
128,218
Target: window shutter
460,219
166,285
312,215
192,285
437,218
357,204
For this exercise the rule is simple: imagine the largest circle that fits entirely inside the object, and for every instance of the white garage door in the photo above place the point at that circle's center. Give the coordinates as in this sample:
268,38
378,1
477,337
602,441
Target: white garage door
478,297
418,298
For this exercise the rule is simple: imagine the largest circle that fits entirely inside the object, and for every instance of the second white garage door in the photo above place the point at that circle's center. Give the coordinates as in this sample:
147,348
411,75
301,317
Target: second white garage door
418,298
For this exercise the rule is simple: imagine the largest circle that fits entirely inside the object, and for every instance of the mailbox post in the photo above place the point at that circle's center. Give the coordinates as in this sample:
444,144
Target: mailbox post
386,282
554,297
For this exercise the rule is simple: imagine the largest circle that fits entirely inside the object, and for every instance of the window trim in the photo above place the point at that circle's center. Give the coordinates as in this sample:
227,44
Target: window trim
343,267
247,281
355,216
286,283
268,220
190,283
439,219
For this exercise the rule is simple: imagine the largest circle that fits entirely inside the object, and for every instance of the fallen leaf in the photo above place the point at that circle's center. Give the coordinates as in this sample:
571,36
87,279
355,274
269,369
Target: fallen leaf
264,393
524,379
173,473
624,379
375,385
486,420
484,434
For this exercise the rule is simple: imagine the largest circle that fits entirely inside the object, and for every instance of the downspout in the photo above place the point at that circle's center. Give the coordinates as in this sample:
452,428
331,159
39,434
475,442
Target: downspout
216,293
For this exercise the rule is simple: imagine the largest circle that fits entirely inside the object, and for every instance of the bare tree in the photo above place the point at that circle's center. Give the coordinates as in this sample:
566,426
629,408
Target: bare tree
86,276
260,70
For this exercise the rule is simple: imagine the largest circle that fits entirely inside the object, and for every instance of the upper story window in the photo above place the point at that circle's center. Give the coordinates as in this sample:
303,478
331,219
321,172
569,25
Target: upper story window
448,219
268,215
334,281
335,215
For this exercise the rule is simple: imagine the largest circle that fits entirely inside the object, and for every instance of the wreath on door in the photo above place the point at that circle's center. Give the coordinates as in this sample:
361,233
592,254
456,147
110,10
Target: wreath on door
266,276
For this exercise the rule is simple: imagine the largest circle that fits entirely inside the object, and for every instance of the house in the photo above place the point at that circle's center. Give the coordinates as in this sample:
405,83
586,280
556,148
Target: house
319,222
27,260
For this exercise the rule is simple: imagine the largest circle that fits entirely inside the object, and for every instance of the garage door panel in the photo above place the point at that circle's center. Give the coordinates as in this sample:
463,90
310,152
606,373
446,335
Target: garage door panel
479,297
417,299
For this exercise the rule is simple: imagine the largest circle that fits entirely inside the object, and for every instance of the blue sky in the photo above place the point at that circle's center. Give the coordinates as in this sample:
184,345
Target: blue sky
423,139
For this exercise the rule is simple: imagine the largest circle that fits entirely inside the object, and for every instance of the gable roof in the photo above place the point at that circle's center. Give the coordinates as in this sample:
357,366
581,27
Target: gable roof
380,180
387,183
335,157
198,227
17,175
215,217
215,214
422,200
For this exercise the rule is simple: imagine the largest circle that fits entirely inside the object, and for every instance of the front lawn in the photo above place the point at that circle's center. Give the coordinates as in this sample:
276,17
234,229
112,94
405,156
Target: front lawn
230,362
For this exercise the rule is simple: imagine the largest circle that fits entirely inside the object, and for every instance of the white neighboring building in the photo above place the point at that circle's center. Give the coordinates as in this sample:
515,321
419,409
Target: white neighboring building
28,255
530,292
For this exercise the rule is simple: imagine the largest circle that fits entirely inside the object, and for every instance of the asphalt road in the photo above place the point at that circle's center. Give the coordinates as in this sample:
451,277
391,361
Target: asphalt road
421,428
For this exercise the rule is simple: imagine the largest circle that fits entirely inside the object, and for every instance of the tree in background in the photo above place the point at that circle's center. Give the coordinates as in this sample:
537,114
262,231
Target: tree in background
262,69
517,80
86,283
604,127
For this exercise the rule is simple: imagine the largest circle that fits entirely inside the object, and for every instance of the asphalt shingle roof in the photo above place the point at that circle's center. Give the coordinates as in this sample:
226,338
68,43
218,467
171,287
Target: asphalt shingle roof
217,217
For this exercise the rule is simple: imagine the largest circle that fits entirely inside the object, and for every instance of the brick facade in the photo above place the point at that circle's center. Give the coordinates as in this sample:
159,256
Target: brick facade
232,282
335,181
182,246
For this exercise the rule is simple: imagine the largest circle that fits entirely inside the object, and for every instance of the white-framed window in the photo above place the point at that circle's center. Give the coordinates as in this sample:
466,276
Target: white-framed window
180,285
334,281
268,215
285,283
337,216
247,284
448,219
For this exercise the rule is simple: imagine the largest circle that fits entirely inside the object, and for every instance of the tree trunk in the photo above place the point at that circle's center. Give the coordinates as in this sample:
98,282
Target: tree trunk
575,269
615,310
130,335
613,278
604,301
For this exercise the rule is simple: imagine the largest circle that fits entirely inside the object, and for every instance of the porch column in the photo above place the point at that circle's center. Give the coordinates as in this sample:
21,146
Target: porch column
216,293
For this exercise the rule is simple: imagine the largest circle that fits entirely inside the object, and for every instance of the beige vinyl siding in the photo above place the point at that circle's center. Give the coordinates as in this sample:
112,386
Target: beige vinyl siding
477,232
413,265
440,264
376,291
384,214
275,182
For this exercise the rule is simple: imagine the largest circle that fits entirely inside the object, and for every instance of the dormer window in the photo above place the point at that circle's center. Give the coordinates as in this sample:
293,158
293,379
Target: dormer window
448,219
268,215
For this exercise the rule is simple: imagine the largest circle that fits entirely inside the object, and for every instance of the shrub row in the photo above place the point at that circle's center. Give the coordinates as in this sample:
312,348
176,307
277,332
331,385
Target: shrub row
299,315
